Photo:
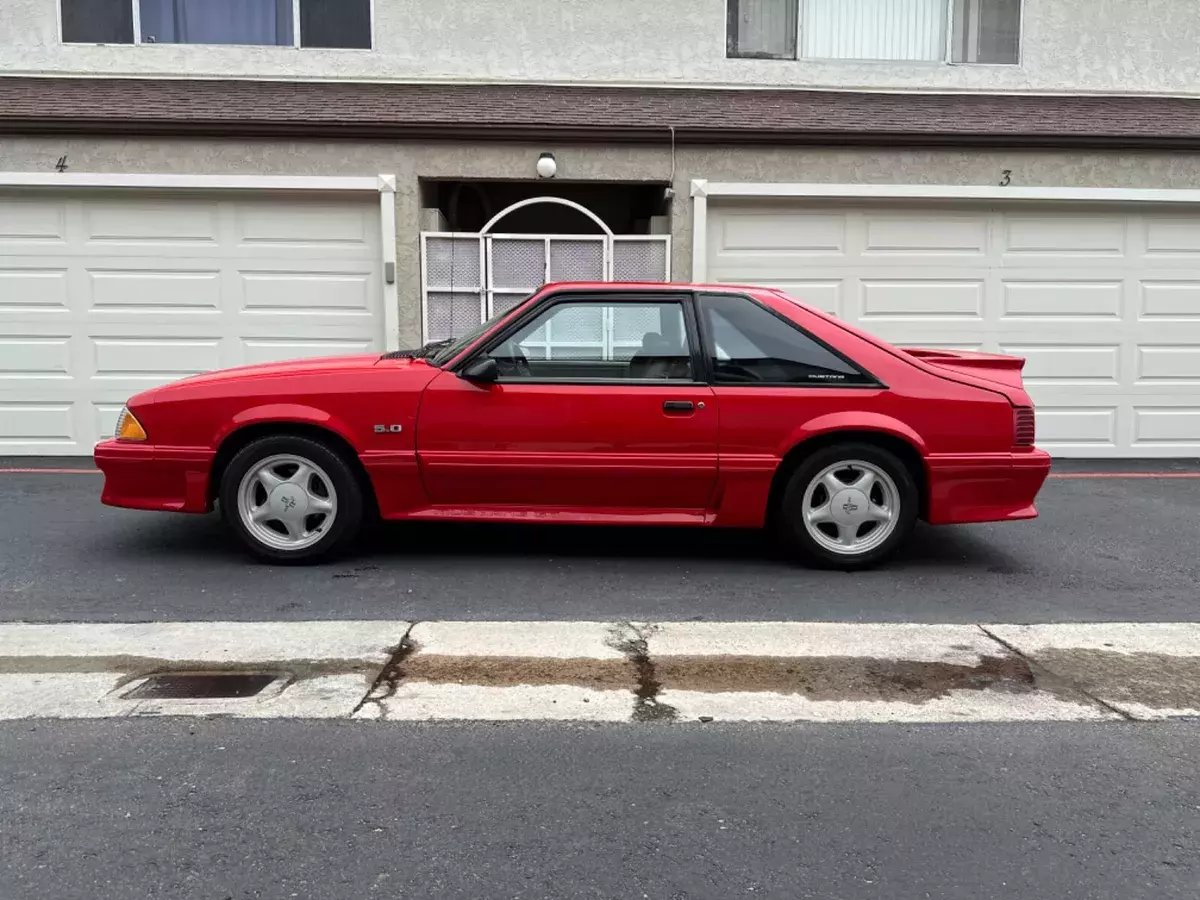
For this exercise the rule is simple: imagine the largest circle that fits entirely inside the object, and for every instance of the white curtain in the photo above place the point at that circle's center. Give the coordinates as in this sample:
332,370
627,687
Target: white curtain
874,29
217,22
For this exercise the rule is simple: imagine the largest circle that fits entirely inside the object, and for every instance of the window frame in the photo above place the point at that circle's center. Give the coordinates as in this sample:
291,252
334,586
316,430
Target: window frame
685,299
731,16
731,35
136,11
870,381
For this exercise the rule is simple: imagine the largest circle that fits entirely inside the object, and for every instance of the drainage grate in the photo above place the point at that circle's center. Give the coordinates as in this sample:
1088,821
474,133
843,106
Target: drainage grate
199,686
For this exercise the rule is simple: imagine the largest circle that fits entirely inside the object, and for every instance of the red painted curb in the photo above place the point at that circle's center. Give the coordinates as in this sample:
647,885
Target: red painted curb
1125,475
49,471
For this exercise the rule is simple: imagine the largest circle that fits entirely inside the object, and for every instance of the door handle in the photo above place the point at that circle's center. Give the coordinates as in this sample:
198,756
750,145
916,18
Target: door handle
678,406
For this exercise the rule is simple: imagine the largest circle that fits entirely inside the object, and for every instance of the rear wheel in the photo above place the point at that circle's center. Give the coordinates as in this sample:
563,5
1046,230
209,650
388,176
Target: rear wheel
291,499
849,506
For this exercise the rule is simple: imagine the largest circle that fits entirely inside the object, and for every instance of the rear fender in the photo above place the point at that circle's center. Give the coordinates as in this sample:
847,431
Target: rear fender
851,421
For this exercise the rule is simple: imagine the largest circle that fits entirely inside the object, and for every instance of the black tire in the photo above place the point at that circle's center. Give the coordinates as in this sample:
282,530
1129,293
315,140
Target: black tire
350,507
790,526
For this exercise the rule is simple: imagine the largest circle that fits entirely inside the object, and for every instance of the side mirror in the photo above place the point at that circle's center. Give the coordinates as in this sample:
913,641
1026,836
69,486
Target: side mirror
483,370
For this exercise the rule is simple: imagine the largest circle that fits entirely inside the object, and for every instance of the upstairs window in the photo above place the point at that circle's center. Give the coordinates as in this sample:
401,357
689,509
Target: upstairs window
272,23
987,31
958,31
762,29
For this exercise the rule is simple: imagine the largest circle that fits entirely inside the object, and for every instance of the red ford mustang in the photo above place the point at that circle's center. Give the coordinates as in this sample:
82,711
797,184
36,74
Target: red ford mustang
600,404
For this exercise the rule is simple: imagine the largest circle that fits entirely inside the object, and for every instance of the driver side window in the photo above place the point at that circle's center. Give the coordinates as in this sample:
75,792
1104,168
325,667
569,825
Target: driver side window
600,340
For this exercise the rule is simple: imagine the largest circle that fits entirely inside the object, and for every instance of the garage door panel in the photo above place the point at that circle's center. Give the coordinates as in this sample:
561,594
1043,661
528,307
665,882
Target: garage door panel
150,223
826,294
37,426
29,220
1177,364
1177,426
1103,304
39,357
1172,236
1062,298
1170,298
102,416
301,293
1056,363
154,289
106,295
25,286
265,350
912,298
1089,426
1063,236
155,358
954,236
306,225
929,335
763,233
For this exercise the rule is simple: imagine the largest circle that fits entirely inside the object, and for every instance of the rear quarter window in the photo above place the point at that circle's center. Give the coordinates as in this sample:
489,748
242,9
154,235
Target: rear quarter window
749,344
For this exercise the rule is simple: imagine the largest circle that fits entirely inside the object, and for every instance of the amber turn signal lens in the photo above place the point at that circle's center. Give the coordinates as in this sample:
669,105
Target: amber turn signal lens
129,428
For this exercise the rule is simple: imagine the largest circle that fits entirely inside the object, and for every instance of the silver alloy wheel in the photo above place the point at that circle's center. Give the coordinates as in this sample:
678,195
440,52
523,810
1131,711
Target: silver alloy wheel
287,502
851,507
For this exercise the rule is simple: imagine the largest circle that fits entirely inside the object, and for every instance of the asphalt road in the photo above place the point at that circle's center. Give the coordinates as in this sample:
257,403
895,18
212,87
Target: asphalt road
1104,549
224,809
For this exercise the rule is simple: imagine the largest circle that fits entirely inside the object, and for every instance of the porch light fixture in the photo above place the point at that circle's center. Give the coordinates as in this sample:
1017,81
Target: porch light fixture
547,166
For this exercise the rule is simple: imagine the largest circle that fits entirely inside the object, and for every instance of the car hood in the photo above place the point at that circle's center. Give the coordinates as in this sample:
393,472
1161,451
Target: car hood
285,368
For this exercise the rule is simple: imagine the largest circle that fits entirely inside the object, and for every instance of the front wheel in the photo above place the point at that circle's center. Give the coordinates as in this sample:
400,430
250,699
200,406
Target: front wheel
849,506
291,499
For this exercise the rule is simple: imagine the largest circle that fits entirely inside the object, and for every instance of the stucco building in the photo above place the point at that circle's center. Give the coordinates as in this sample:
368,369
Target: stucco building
189,185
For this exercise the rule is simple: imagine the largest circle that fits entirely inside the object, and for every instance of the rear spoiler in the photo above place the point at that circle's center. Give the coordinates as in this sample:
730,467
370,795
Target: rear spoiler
967,359
994,367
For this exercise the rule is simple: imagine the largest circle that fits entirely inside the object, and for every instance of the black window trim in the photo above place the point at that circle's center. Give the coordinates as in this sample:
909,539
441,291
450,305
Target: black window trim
685,298
731,36
134,41
872,383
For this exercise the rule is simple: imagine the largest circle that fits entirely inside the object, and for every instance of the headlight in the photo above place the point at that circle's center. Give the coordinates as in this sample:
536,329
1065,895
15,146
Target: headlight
128,427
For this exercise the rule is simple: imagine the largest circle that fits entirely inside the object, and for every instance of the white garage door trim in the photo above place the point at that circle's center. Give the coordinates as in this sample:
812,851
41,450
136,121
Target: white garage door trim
384,184
1164,397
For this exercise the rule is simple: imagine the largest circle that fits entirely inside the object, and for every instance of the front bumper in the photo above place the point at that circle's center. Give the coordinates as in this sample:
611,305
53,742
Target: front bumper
142,476
985,487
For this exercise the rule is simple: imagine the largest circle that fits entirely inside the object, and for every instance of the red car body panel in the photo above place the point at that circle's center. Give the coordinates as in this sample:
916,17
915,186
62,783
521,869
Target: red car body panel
603,453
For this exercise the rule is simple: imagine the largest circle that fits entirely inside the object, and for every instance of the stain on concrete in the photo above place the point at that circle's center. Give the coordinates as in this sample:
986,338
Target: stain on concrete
1155,680
844,677
818,678
634,641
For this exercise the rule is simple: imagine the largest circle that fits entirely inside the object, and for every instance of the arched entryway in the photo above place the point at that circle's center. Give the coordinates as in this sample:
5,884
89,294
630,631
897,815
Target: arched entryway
467,277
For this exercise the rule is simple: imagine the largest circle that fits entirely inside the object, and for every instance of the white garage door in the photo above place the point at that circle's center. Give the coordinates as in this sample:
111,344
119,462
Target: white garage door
103,295
1103,302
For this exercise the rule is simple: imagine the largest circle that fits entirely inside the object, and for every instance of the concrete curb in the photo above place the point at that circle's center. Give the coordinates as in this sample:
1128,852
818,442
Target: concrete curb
616,671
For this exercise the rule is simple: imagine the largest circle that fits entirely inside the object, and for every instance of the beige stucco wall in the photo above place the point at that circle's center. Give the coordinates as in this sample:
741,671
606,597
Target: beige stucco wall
1069,45
411,162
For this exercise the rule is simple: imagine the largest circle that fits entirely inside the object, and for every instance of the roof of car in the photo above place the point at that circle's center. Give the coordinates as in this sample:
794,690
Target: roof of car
657,286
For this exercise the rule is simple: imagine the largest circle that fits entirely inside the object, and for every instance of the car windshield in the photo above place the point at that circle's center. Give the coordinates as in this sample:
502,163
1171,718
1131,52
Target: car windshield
450,350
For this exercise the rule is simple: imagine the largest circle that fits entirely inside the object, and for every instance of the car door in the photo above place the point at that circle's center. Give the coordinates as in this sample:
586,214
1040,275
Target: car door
598,403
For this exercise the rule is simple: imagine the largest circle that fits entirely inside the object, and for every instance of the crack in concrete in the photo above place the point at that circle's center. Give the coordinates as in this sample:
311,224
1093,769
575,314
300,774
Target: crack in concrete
1054,682
632,639
387,682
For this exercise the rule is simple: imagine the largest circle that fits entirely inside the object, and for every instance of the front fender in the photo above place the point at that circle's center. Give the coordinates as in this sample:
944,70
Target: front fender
296,413
851,421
